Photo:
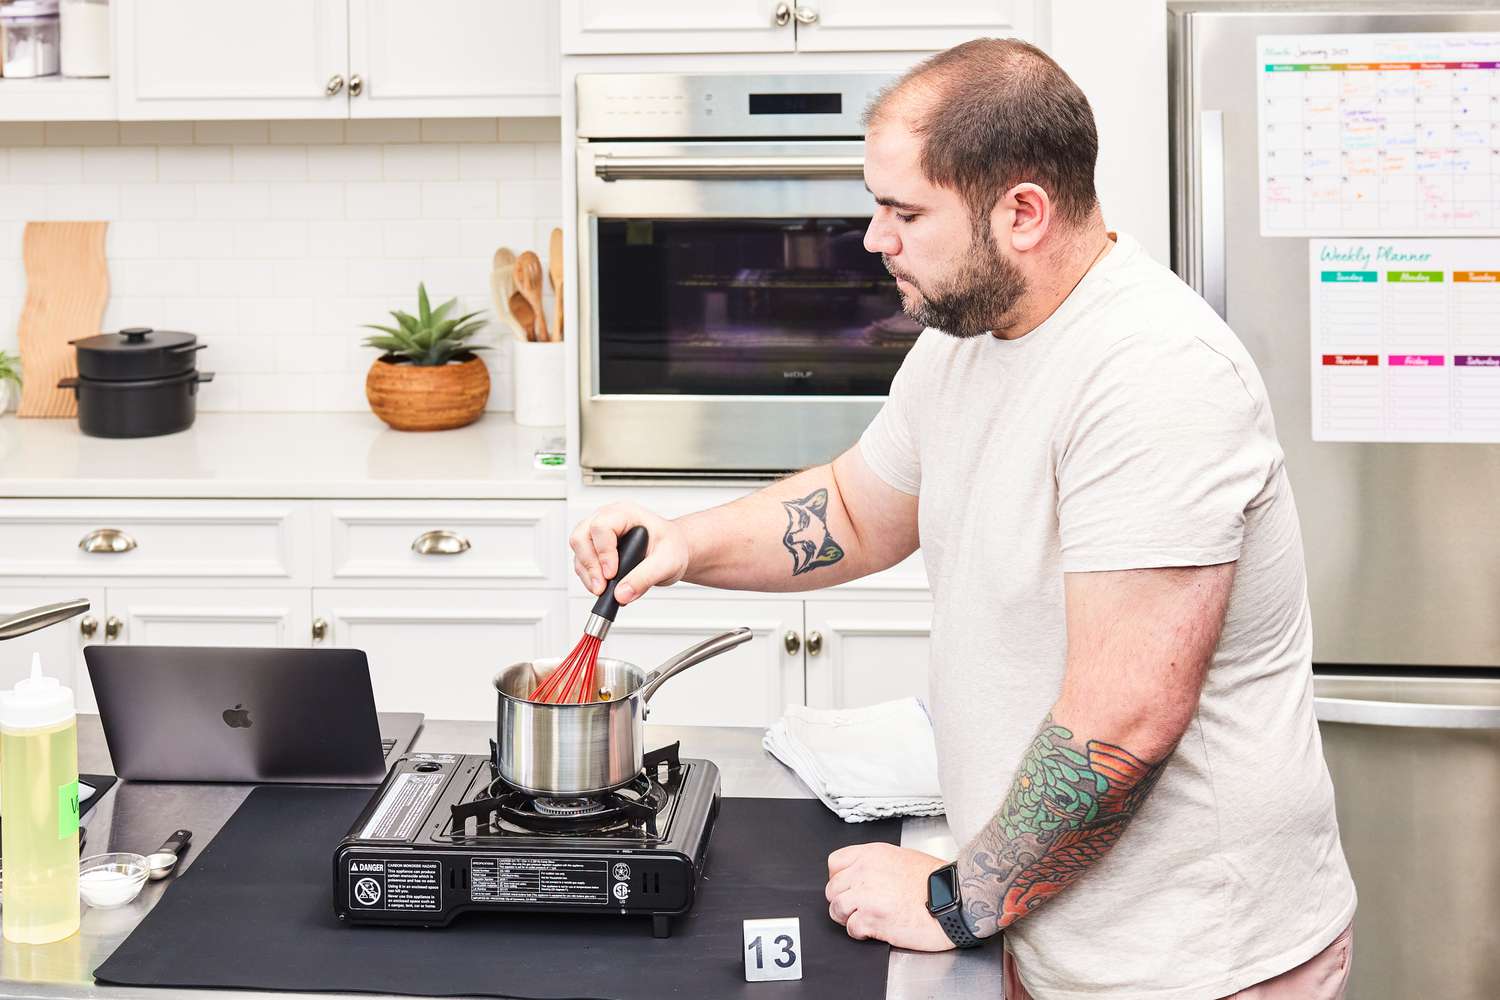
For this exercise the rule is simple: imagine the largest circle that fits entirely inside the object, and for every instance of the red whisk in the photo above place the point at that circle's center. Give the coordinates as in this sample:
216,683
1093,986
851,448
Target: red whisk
575,679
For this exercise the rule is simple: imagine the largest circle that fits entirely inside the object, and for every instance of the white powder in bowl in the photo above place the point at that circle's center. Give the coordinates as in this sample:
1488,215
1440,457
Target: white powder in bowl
104,888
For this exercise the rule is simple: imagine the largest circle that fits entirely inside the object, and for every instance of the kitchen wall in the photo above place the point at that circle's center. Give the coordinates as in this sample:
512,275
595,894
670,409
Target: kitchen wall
274,241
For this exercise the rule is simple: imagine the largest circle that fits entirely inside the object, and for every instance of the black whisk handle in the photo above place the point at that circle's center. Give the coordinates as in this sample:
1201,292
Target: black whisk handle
632,546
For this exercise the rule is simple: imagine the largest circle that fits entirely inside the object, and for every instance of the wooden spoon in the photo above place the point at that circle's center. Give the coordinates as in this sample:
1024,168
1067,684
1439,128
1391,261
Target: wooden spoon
503,292
555,275
529,284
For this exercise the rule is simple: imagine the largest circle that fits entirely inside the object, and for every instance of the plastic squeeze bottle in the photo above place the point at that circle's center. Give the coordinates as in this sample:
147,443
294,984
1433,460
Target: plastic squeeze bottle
39,800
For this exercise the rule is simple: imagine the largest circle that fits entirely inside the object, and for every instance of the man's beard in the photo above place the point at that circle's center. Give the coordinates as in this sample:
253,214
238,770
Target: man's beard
975,300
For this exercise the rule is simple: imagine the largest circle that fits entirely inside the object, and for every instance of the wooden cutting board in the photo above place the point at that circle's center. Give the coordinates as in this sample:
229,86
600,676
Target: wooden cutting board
67,286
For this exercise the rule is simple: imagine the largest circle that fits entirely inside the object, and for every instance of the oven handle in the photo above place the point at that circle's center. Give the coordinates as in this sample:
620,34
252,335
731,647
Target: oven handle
613,167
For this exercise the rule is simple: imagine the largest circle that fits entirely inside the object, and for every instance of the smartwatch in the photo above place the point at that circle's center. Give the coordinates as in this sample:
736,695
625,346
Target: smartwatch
946,907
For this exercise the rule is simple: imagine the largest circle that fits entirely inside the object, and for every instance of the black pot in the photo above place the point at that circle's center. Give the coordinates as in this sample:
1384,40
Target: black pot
138,407
137,353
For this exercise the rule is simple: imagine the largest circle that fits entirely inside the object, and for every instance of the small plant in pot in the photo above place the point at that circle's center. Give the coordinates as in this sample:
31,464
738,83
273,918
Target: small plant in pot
429,378
10,380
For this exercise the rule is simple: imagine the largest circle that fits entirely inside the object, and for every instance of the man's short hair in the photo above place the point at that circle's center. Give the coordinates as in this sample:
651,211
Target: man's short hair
993,113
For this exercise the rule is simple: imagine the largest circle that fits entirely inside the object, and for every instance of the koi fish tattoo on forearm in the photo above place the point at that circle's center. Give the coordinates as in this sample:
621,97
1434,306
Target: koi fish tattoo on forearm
807,537
1068,804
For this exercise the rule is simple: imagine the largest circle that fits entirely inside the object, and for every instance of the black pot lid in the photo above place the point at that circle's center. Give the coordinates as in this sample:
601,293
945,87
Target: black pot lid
134,341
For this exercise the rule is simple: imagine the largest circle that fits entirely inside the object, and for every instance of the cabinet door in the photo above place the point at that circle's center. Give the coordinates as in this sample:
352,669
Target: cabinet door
609,26
230,59
437,651
61,645
899,25
866,651
210,617
453,58
748,686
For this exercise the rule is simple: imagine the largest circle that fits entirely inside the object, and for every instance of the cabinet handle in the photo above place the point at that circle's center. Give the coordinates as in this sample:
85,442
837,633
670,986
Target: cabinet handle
783,15
356,85
320,629
335,84
814,643
805,15
88,625
792,641
107,540
440,543
113,627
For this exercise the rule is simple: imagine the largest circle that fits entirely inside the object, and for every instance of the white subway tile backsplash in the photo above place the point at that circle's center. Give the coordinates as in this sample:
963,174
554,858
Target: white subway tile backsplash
421,161
458,199
46,165
234,200
497,161
195,163
119,164
383,200
345,163
231,133
276,242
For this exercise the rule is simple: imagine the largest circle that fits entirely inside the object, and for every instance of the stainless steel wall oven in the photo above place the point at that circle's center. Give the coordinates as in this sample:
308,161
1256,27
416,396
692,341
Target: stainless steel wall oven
733,325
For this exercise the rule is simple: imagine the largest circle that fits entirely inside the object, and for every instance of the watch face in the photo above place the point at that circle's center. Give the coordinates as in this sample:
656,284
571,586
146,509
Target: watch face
940,888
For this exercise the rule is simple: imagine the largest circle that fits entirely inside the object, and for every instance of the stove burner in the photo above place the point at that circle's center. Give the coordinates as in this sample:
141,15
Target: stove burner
567,807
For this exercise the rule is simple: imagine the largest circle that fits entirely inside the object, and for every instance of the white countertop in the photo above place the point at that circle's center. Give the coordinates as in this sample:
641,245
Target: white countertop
284,455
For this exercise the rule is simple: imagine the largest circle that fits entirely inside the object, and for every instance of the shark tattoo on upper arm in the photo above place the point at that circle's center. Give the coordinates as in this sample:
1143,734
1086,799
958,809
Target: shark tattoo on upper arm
807,537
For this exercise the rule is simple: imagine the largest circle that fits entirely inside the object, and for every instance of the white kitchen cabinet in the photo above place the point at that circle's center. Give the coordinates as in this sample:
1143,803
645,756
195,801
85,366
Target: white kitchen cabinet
230,59
149,616
651,26
480,58
860,652
61,645
900,25
608,26
226,59
748,686
437,651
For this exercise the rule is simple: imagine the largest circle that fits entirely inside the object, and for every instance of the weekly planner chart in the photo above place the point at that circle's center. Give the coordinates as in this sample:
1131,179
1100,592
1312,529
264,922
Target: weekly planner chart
1370,134
1405,340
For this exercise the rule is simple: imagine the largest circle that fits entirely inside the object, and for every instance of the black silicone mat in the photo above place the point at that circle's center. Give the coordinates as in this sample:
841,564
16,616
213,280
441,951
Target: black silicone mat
255,912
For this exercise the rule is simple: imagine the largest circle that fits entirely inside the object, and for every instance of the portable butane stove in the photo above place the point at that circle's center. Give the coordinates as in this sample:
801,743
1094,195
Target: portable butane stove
444,834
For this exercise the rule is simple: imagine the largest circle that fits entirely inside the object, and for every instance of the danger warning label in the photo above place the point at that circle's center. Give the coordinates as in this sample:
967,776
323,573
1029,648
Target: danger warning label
395,885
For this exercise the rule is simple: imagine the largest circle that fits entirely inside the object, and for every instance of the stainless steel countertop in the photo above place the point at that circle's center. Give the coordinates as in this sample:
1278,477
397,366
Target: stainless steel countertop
139,816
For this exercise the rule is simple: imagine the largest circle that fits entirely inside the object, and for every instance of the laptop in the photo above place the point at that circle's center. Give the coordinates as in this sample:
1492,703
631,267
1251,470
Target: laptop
209,713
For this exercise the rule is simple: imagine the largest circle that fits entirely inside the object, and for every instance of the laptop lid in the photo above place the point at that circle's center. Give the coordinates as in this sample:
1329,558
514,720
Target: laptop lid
204,713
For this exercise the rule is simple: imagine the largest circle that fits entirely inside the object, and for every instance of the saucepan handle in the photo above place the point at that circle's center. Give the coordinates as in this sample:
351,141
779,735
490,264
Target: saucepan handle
692,656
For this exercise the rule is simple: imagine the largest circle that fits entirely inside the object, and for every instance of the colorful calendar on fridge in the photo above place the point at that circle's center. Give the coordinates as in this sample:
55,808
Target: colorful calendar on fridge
1370,134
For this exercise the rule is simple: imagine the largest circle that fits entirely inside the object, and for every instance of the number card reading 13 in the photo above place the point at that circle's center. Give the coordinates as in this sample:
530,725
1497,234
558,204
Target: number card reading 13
773,949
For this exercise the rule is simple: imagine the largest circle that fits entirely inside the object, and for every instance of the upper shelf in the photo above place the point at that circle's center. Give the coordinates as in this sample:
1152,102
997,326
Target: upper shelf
57,99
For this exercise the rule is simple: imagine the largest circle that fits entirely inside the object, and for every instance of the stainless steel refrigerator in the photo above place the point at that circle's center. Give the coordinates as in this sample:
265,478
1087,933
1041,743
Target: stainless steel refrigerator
1402,539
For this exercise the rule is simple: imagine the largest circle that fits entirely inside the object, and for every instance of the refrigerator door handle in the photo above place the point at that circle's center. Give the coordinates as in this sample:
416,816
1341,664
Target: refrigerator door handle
1211,207
1409,714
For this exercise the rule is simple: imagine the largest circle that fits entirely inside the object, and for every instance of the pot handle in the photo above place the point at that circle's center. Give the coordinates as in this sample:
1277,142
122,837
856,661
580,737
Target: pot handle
205,376
692,656
186,348
68,383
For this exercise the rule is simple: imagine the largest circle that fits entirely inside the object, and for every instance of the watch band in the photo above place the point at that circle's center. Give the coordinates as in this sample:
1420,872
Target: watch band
952,922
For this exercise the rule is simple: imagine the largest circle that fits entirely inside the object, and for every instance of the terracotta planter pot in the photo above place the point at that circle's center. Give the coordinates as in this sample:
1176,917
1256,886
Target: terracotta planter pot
431,398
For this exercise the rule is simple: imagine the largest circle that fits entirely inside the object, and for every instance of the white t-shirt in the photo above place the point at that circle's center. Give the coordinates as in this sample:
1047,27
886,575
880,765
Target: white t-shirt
1129,430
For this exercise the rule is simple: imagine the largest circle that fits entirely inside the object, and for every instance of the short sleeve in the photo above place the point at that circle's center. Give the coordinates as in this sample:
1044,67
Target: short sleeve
889,444
1168,449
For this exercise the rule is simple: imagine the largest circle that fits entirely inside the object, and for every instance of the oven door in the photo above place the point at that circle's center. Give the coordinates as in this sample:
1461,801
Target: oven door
733,322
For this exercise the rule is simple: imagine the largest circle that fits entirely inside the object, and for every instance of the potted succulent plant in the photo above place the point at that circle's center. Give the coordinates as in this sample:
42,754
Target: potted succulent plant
429,378
10,381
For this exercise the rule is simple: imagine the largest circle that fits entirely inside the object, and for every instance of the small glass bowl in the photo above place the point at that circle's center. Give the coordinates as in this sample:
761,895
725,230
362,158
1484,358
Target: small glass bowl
106,881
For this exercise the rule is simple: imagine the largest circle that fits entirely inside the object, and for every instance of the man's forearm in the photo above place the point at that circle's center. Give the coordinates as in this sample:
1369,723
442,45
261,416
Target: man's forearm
793,535
1071,798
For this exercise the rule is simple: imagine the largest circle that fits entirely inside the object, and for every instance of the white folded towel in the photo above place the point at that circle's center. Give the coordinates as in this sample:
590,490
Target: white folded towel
864,763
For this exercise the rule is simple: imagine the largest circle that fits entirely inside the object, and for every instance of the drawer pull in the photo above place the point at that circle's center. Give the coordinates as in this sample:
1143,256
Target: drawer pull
792,642
88,625
107,540
814,643
440,543
320,629
112,628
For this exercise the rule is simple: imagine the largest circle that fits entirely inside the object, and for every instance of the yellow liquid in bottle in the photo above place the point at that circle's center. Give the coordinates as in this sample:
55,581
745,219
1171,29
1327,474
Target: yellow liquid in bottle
38,841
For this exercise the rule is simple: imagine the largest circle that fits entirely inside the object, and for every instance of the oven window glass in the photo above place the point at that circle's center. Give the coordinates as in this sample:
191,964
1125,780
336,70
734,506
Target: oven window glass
746,307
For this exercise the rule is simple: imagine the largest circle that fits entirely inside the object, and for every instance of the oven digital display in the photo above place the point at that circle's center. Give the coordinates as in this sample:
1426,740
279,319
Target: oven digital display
796,104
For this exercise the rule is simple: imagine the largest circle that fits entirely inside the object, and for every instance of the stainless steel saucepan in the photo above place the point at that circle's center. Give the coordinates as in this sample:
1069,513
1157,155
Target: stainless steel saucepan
588,748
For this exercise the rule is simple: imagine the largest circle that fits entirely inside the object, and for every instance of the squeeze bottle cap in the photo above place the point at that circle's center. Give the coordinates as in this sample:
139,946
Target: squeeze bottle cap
36,701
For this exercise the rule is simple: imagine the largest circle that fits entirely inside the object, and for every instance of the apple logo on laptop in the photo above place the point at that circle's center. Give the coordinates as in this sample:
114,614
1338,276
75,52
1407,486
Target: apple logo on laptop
237,717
